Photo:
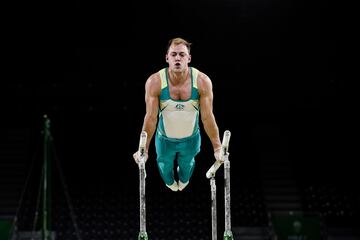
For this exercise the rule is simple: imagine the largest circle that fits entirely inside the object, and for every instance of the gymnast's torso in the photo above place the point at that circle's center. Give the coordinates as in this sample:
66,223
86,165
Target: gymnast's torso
178,106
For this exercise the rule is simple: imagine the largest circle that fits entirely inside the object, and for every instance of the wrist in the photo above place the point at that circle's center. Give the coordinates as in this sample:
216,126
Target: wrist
217,149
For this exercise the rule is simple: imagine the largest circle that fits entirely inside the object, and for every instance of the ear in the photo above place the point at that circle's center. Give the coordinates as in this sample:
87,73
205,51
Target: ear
166,58
189,59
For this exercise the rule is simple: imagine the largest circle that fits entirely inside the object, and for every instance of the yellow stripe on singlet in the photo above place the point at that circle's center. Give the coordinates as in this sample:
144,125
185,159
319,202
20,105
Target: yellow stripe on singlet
195,73
163,78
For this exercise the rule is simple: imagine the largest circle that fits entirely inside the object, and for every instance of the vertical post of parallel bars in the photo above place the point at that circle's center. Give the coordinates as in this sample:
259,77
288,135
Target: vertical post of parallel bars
211,175
142,175
227,233
213,209
142,234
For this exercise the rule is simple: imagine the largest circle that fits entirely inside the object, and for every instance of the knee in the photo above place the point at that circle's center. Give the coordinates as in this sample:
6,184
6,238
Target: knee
165,167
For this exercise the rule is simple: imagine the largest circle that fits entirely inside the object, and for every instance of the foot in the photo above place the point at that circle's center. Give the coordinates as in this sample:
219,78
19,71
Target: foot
174,186
182,185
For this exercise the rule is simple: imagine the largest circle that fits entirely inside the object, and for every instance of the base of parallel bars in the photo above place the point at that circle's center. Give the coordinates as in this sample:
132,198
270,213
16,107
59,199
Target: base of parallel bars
228,235
143,236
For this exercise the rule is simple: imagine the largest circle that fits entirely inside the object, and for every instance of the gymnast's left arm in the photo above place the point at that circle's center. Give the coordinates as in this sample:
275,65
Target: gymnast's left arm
206,111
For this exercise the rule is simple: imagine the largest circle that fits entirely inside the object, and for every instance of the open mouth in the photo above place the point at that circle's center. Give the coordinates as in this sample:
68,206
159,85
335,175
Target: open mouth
177,64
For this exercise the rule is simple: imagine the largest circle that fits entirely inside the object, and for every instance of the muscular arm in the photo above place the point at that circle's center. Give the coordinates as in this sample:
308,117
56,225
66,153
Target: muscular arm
152,92
206,110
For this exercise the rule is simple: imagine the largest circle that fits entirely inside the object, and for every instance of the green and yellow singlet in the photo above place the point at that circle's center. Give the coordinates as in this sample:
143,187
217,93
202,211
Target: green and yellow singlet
178,119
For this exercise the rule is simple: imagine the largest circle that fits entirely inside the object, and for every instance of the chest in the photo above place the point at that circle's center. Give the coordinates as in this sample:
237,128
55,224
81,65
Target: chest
181,92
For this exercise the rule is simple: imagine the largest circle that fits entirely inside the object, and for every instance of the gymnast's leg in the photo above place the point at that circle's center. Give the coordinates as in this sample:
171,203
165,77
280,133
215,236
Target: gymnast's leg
166,154
186,159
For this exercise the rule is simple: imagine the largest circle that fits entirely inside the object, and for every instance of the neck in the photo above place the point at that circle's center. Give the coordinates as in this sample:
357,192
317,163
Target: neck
178,77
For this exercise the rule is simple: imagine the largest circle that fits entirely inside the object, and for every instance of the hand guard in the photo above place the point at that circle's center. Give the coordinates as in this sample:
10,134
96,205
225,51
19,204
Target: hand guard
137,156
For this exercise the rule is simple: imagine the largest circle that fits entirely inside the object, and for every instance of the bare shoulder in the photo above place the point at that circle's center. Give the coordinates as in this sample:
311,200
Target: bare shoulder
153,84
204,83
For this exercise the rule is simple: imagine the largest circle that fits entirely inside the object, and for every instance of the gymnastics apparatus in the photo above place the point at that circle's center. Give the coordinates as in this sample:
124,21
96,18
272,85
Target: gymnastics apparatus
210,174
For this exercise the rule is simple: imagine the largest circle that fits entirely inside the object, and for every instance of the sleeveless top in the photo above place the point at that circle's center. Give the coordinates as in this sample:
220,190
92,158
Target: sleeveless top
178,119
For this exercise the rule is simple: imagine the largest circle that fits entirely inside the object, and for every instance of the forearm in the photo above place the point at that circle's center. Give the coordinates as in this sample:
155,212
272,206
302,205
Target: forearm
212,131
149,127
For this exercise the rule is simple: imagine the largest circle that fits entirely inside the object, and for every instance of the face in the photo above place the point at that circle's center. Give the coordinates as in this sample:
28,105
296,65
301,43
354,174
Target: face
178,57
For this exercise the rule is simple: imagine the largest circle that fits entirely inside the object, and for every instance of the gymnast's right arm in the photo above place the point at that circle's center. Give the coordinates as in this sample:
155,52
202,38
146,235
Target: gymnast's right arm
152,94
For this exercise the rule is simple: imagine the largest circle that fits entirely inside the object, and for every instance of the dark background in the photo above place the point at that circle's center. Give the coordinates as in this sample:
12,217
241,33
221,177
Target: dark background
275,69
274,65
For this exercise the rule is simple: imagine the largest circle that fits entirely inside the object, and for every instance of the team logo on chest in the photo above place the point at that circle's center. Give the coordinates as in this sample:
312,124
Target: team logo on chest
180,107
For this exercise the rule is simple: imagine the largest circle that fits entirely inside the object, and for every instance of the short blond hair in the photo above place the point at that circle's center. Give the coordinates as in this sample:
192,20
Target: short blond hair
178,41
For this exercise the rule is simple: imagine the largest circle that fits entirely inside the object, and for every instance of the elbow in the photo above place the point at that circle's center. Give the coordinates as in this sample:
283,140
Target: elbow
204,119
